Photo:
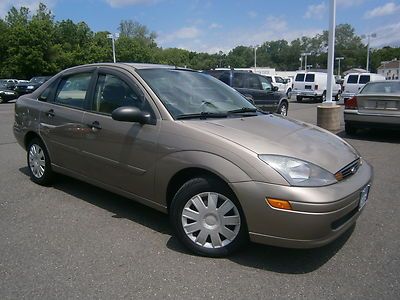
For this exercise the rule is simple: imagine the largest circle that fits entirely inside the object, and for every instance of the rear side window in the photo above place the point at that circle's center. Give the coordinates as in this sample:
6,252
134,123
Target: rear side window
239,80
254,83
46,95
352,79
225,78
300,77
72,90
310,77
364,79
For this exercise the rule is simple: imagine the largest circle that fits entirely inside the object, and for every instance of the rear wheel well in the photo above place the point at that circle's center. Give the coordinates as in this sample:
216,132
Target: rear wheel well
29,137
185,175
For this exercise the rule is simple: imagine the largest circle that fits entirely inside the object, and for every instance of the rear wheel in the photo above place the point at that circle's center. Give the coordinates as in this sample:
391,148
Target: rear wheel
349,129
39,162
323,97
207,218
283,109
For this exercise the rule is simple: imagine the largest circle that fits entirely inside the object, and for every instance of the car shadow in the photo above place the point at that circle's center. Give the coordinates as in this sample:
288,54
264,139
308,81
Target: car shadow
374,135
274,259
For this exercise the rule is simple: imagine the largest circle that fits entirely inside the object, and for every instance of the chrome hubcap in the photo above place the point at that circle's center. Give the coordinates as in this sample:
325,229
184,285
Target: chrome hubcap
37,161
211,220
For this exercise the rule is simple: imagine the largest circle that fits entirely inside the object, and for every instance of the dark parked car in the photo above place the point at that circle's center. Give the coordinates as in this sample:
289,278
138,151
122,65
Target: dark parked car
9,83
188,145
6,94
28,87
256,88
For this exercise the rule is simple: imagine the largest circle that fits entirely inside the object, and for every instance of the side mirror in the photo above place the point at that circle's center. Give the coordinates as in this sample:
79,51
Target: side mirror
131,114
275,88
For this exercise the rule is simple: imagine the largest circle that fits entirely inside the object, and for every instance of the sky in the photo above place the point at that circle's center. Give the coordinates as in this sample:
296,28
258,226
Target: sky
220,25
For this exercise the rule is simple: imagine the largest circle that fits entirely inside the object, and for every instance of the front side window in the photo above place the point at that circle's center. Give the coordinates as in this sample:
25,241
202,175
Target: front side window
72,90
266,85
112,92
279,79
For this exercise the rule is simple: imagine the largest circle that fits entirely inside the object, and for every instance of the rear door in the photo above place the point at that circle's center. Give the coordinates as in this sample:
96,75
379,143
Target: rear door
351,86
61,114
299,81
120,154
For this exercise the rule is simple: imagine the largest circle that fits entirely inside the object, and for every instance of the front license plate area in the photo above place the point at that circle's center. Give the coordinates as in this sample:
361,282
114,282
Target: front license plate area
363,197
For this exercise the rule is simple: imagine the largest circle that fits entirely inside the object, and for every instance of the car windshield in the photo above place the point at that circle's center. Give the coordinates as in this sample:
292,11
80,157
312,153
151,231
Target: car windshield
38,80
185,93
387,87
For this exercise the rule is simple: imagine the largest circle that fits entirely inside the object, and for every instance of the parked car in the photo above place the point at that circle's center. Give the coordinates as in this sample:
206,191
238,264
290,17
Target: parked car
353,82
10,84
28,87
6,94
283,85
376,105
313,85
256,88
184,143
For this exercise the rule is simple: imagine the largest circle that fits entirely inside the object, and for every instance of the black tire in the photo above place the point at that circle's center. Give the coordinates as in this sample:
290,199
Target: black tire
2,100
299,98
288,92
350,129
46,176
323,97
200,186
283,109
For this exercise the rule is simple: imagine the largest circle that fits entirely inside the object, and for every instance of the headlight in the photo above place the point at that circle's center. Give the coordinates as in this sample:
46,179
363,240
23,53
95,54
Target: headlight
298,172
9,93
30,87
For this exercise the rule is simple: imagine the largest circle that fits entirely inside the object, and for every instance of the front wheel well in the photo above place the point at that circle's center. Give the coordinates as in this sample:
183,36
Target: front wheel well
179,179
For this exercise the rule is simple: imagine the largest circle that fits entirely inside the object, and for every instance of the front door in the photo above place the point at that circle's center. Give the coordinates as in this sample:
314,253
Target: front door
120,154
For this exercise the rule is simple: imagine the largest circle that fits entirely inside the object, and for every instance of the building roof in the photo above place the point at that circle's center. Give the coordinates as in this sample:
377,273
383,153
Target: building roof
390,64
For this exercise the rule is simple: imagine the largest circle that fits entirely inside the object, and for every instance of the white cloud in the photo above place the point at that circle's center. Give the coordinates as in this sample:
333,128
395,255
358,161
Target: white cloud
384,10
316,11
387,35
121,3
215,26
5,5
185,33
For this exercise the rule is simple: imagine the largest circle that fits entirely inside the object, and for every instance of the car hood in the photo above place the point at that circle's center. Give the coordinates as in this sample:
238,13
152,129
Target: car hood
273,134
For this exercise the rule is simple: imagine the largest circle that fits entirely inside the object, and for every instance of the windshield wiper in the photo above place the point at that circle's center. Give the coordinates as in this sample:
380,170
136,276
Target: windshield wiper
202,115
243,110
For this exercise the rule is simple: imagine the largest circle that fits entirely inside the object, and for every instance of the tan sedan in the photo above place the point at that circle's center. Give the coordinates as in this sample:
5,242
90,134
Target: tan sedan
188,145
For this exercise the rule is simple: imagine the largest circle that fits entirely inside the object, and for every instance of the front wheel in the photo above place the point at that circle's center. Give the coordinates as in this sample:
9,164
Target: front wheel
283,109
207,218
39,162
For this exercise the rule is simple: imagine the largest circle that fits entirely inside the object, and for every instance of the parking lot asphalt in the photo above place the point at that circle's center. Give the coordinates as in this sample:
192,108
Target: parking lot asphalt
73,240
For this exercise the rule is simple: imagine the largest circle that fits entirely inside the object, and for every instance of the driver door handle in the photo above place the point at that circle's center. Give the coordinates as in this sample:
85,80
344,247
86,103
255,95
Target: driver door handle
95,125
50,113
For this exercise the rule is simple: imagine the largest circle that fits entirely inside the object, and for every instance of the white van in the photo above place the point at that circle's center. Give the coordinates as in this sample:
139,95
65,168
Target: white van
353,82
313,85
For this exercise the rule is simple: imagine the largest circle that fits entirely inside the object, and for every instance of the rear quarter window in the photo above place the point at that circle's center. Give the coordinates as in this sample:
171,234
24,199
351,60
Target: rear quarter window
364,79
353,79
300,77
310,77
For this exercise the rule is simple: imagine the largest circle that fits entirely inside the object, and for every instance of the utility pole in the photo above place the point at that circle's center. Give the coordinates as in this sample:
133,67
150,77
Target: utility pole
305,54
331,50
368,36
255,58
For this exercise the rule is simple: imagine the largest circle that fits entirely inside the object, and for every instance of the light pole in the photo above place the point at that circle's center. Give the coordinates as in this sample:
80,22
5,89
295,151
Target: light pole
255,58
339,59
113,37
369,36
331,50
305,54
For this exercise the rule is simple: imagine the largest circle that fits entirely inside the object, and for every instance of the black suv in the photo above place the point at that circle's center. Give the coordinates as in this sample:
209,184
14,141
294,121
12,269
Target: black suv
256,88
28,87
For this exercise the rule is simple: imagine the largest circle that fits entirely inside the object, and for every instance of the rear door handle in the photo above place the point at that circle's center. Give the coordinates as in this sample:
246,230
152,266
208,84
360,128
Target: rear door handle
50,113
95,125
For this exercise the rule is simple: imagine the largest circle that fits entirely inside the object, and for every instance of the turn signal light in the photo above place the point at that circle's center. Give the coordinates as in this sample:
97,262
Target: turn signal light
280,204
351,103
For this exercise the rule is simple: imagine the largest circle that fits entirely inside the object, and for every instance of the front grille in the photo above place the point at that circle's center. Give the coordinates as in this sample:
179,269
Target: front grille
348,170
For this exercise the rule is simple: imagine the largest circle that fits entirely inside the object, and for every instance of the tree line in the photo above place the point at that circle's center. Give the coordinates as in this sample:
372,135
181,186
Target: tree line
33,43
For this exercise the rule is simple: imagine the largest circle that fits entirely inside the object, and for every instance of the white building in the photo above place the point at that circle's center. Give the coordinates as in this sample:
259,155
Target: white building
390,69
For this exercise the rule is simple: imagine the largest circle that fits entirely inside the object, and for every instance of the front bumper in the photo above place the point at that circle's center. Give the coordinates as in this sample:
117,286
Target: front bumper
319,215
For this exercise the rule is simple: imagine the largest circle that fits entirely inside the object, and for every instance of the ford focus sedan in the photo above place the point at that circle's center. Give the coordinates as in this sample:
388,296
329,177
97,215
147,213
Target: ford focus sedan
190,146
